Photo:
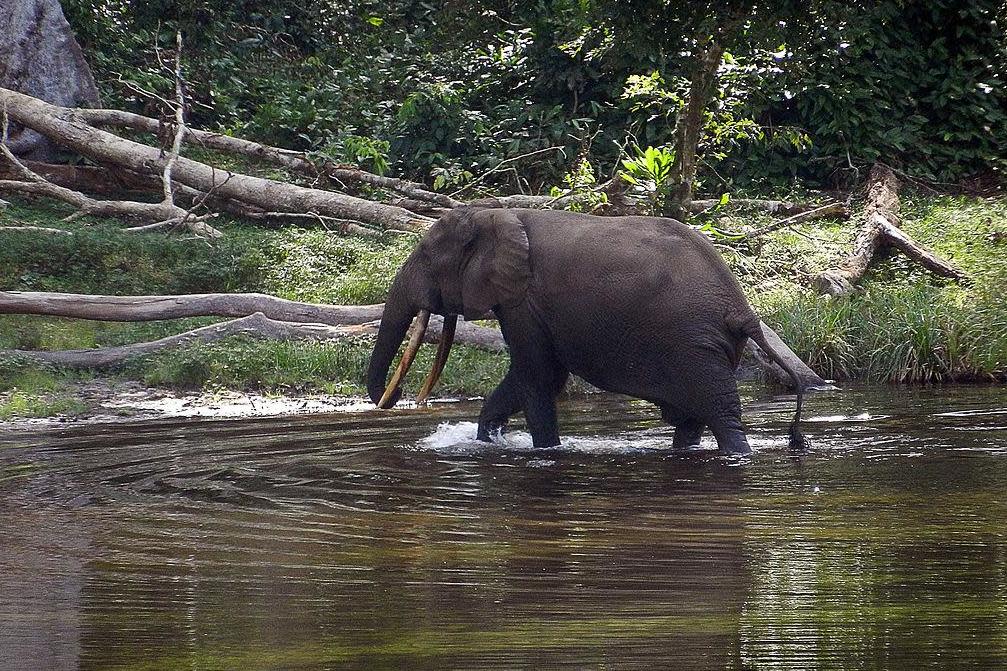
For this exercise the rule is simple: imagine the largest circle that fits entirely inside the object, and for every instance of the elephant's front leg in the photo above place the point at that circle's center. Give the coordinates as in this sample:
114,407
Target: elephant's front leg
511,396
538,378
503,402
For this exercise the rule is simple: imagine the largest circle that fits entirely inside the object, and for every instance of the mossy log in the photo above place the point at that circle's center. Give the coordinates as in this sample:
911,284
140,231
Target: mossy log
880,229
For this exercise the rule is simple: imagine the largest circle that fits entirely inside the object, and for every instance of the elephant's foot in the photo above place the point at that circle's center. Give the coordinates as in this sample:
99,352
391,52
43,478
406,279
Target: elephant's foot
731,440
489,430
688,435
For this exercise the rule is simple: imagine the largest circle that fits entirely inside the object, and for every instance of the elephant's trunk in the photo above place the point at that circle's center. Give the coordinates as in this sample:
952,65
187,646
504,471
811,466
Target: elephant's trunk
398,314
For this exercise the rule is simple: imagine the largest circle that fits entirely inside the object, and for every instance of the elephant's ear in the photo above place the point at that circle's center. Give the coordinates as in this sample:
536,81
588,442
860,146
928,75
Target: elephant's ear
499,267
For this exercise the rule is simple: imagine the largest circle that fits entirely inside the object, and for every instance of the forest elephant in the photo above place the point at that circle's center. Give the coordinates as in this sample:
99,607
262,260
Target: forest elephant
642,306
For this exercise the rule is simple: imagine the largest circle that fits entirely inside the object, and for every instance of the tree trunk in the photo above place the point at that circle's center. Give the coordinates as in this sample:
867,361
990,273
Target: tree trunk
690,124
880,229
254,325
40,57
293,160
56,123
152,308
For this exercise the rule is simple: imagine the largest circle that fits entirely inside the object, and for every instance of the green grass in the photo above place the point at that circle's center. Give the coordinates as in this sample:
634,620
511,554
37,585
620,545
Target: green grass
332,368
27,390
906,326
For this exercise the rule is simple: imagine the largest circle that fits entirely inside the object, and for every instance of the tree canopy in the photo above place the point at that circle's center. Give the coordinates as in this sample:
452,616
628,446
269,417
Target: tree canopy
442,91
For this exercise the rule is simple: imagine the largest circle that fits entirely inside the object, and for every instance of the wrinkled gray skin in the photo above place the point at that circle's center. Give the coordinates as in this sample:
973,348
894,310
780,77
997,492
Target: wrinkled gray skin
637,305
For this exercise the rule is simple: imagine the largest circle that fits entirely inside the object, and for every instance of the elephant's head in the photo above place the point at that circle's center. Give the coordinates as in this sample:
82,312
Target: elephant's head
470,262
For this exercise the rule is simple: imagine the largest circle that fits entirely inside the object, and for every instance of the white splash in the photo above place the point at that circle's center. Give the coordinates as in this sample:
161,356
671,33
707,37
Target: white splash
862,417
459,438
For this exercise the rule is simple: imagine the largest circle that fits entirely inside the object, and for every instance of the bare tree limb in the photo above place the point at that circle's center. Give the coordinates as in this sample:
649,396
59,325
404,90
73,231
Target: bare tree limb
152,308
771,206
103,147
35,229
880,229
255,324
830,210
166,211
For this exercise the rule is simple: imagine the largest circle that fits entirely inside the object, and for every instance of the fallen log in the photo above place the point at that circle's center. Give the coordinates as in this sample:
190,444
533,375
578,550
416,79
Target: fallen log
153,308
880,230
59,125
830,210
366,317
257,325
286,158
783,207
35,229
90,179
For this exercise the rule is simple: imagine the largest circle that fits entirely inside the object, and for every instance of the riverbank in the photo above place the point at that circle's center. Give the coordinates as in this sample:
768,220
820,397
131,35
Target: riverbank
905,326
104,400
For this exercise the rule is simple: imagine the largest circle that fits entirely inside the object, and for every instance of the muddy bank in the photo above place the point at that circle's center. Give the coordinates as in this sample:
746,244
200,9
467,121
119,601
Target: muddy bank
115,400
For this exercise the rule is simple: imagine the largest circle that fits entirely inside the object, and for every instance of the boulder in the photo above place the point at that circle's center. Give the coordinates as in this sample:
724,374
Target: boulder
39,56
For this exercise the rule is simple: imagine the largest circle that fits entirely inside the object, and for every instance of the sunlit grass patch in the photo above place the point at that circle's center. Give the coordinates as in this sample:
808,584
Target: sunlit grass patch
305,366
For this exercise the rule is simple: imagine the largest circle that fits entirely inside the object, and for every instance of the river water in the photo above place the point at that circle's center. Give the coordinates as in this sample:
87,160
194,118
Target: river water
393,540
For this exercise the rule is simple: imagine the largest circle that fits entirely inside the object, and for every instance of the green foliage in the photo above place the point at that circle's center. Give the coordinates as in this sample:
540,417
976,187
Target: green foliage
334,368
312,265
921,83
650,173
442,91
907,326
581,180
368,153
29,390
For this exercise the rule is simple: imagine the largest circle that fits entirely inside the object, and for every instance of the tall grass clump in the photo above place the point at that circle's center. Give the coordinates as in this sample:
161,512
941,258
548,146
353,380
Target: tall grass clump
915,333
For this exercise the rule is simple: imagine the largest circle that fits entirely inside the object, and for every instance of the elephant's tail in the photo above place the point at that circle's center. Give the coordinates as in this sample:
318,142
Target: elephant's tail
754,331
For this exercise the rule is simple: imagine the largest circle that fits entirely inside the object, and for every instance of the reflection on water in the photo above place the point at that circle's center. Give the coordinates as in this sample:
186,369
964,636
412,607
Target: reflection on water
393,540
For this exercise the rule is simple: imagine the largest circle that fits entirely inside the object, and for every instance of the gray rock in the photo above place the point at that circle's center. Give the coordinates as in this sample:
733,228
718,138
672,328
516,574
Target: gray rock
40,57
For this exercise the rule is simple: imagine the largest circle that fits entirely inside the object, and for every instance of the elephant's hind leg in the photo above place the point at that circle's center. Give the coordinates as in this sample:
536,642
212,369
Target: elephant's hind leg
726,423
688,429
688,434
713,400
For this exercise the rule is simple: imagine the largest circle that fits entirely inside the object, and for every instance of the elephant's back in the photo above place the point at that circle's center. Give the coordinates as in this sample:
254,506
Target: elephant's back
641,293
631,261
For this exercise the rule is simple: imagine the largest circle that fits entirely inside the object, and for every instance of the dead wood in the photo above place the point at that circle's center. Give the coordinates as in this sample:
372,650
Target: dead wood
295,161
90,179
164,214
257,325
270,195
880,229
830,210
35,229
151,308
784,207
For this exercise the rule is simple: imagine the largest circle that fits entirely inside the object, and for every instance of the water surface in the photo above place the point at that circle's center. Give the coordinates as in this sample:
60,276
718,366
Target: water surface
392,540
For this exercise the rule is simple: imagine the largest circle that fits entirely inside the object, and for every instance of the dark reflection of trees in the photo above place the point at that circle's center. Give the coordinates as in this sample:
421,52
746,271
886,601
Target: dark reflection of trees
42,553
893,564
371,557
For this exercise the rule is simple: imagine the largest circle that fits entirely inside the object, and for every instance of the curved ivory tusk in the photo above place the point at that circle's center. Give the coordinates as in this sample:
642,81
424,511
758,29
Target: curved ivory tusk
443,350
419,328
